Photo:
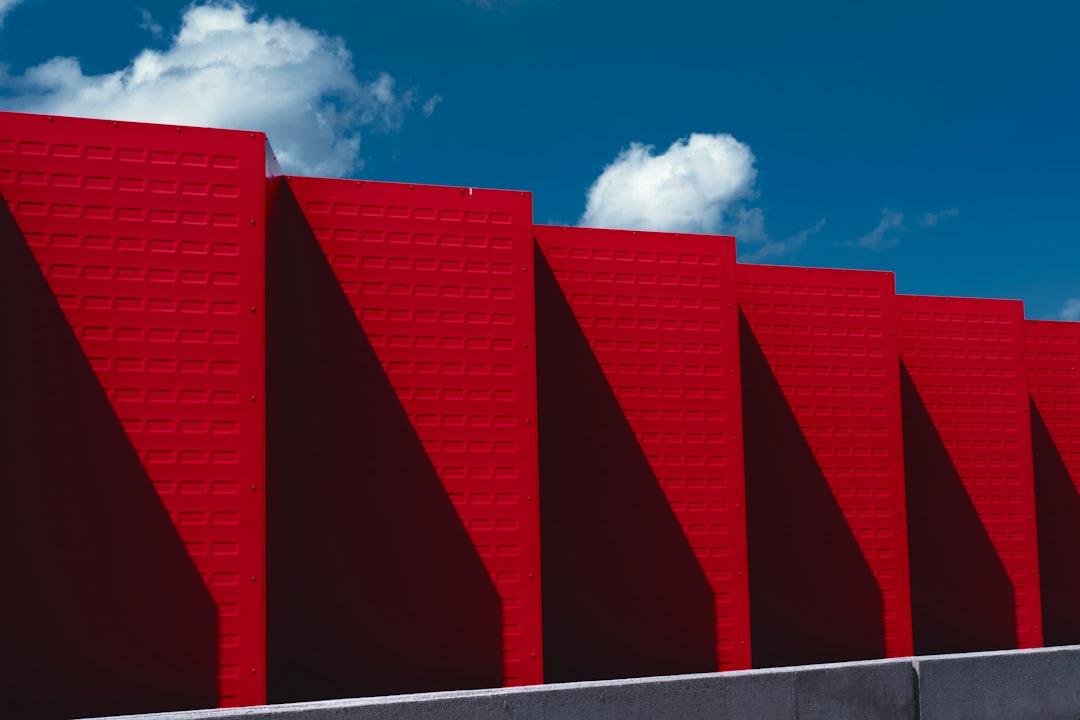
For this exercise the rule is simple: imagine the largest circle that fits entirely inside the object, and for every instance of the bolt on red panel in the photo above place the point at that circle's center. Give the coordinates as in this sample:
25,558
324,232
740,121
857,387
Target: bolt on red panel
1053,378
436,285
151,240
971,501
824,470
641,462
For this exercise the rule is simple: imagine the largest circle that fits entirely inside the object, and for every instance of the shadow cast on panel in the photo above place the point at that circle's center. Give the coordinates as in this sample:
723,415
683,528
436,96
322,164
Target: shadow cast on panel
813,597
103,610
374,585
624,594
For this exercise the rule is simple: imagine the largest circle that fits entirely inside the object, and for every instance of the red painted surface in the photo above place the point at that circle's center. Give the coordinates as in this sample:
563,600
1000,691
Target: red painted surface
150,239
639,392
175,327
1053,379
441,282
971,500
825,474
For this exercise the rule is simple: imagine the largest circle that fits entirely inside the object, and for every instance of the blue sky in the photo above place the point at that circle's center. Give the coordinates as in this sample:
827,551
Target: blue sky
935,140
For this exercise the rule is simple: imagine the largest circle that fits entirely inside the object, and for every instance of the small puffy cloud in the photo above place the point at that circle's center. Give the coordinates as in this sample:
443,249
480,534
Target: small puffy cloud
930,220
6,6
1071,310
226,68
429,106
696,185
884,235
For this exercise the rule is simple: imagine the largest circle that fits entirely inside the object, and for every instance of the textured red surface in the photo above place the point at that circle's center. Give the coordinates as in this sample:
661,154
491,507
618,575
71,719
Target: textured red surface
965,358
150,237
658,312
827,336
1053,378
441,280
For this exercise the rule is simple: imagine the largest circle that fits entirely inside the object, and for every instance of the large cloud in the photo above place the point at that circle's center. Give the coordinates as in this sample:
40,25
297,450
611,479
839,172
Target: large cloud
225,68
696,185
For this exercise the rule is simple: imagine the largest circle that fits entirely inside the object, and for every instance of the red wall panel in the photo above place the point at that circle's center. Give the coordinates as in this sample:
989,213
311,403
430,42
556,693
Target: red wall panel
150,238
971,503
441,282
1053,378
825,483
639,392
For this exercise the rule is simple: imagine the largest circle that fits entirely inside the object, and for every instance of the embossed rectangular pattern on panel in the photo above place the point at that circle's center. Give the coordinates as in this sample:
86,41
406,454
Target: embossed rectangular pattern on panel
1053,376
151,239
658,311
441,281
828,338
966,359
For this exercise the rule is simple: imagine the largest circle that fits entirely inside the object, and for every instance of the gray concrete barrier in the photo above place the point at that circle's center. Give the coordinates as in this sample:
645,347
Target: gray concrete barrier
865,691
1013,685
1043,683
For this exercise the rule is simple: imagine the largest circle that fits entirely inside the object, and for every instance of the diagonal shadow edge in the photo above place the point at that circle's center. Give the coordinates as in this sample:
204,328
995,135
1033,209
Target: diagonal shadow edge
374,585
962,599
813,596
102,591
623,594
1057,507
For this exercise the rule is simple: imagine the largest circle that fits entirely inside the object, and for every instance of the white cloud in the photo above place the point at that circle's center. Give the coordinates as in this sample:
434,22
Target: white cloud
696,185
149,24
7,6
429,106
930,220
883,236
225,68
1071,310
702,184
779,248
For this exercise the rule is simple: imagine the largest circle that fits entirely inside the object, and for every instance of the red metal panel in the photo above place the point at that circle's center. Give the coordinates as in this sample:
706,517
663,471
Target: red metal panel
440,280
151,240
1053,378
657,312
971,504
827,338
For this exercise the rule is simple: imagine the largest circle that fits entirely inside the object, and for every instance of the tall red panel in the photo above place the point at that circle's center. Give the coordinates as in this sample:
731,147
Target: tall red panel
1053,379
641,459
825,474
151,240
440,283
971,501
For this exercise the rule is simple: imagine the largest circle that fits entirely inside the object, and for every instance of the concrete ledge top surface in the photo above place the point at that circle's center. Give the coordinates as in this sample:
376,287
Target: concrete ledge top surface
1014,684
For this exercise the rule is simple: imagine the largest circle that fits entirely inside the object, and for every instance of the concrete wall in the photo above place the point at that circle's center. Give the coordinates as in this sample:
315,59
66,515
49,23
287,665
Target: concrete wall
1012,685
